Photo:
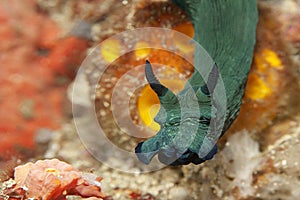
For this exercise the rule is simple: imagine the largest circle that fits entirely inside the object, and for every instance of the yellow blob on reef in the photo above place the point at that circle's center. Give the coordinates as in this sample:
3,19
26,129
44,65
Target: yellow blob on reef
264,78
142,50
148,102
185,28
110,50
180,42
258,88
272,58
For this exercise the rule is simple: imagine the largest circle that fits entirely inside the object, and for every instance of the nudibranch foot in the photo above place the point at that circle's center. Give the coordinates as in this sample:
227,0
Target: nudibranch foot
142,156
172,156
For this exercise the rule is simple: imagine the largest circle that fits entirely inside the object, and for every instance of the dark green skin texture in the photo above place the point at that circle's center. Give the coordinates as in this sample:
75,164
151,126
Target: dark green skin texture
226,30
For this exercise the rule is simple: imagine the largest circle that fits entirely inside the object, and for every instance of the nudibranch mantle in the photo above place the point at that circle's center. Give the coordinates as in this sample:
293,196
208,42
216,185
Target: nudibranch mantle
226,29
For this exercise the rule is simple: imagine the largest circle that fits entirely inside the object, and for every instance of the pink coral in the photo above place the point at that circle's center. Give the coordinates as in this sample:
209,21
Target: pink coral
54,179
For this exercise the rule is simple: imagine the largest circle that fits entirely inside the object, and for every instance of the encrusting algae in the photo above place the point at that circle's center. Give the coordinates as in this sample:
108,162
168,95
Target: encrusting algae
51,180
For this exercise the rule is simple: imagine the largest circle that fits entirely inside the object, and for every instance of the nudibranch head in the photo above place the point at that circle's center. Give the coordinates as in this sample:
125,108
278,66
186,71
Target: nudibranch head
184,123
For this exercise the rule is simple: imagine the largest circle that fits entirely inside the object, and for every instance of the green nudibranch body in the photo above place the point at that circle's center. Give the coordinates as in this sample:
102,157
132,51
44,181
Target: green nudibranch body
226,29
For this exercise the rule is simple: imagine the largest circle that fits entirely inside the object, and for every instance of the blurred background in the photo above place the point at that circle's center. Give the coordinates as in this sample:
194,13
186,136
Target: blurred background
43,43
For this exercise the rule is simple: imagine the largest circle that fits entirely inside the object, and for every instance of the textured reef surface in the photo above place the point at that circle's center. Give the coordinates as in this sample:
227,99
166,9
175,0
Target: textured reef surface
258,156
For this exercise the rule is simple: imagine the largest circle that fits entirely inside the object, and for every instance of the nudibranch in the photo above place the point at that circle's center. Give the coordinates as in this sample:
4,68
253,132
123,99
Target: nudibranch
226,29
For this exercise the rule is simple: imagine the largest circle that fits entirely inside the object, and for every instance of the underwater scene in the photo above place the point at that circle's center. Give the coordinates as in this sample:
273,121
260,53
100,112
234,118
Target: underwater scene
150,100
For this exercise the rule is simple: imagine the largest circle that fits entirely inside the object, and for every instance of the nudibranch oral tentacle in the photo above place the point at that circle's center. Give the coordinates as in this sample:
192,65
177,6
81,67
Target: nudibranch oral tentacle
226,29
